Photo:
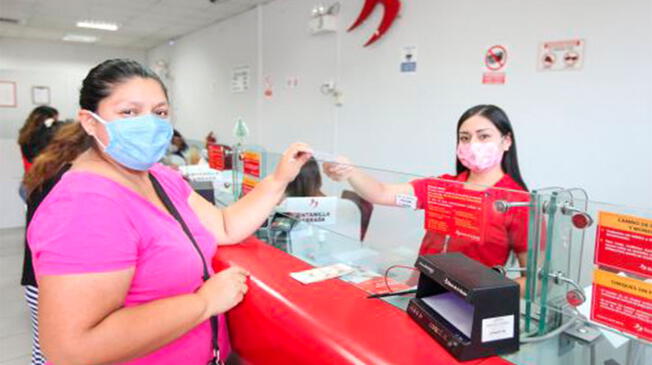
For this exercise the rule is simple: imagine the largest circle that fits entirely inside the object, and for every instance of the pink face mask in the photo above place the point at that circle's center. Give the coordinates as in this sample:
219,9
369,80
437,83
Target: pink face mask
479,157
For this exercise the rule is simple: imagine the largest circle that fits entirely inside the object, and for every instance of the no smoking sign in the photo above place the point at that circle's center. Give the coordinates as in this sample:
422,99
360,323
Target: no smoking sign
496,58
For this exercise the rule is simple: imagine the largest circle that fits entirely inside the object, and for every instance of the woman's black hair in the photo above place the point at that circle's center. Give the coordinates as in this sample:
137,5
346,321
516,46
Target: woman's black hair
100,80
499,118
307,183
184,145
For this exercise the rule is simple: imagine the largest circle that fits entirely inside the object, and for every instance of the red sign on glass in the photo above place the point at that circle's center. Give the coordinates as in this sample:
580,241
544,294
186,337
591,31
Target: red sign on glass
248,184
624,243
251,163
216,159
454,211
622,303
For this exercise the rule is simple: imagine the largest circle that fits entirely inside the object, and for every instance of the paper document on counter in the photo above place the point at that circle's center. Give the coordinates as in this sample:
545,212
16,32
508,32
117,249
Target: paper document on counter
321,273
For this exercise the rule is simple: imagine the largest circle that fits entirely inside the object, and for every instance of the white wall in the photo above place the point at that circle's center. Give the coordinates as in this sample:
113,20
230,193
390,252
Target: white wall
62,67
588,128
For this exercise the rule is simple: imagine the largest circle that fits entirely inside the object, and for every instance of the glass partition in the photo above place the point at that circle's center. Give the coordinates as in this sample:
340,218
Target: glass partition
545,239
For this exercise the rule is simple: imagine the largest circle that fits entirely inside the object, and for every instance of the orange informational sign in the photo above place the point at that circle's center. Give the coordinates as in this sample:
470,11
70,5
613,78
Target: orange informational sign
624,242
248,184
454,211
216,158
251,163
622,303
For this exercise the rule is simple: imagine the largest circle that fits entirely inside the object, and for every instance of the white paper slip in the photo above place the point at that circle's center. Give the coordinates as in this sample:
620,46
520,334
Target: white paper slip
406,201
321,273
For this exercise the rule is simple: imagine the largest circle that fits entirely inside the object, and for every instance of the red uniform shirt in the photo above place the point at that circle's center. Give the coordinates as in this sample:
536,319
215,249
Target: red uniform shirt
503,231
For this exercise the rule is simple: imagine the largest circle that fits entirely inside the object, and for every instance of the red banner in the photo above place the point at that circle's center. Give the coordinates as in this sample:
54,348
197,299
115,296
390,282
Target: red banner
624,243
248,184
251,163
216,158
454,211
622,303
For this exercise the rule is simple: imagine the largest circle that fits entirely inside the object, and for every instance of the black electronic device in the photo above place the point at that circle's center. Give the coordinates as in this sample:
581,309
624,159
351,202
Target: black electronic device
467,307
205,189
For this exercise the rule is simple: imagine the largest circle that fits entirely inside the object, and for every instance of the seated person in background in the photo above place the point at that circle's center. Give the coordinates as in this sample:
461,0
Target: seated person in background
180,153
177,154
307,184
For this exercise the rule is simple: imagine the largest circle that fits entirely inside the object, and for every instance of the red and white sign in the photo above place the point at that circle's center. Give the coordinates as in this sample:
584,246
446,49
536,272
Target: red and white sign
216,158
561,55
622,303
624,242
454,211
496,58
251,163
493,78
248,184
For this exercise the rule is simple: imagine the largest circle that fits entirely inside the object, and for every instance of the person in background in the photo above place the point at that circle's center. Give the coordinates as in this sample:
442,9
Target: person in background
122,246
35,134
178,153
37,131
276,229
485,157
307,183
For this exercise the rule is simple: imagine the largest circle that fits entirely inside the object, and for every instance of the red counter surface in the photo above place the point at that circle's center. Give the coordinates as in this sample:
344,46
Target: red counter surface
282,321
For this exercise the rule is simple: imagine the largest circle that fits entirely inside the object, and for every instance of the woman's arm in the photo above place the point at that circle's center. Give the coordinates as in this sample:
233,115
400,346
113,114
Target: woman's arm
367,186
82,319
239,220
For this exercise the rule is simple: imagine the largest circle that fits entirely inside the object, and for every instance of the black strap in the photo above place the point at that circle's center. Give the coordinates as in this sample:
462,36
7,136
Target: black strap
206,275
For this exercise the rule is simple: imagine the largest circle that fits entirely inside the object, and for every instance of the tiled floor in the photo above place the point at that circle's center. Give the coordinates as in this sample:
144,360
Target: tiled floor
15,328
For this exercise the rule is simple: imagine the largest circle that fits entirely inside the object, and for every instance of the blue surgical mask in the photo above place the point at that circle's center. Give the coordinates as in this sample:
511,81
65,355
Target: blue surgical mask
137,143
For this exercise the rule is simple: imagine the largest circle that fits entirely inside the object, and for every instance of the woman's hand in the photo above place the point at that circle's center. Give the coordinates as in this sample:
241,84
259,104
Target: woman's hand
291,162
224,290
339,170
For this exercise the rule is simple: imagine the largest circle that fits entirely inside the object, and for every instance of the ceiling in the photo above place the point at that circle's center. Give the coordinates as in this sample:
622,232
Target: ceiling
143,23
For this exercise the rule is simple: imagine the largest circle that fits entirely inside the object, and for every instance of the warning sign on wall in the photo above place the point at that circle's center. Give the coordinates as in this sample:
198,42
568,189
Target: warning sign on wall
409,60
561,55
495,61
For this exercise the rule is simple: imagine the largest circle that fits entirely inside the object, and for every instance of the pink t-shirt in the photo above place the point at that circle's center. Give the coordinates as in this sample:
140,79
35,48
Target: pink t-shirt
89,223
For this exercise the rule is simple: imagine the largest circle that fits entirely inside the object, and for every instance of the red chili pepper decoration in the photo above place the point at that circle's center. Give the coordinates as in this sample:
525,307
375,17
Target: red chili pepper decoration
392,8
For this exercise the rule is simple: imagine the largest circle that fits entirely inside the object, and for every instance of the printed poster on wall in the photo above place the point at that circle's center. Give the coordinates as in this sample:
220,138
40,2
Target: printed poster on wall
7,94
240,79
622,303
624,242
495,63
216,158
565,55
454,211
409,60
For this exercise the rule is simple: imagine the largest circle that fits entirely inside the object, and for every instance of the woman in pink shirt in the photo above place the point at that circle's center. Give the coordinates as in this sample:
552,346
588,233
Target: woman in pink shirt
121,279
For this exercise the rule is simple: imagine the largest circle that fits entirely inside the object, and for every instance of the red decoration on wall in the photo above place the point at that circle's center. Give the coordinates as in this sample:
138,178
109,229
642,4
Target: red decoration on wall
392,8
